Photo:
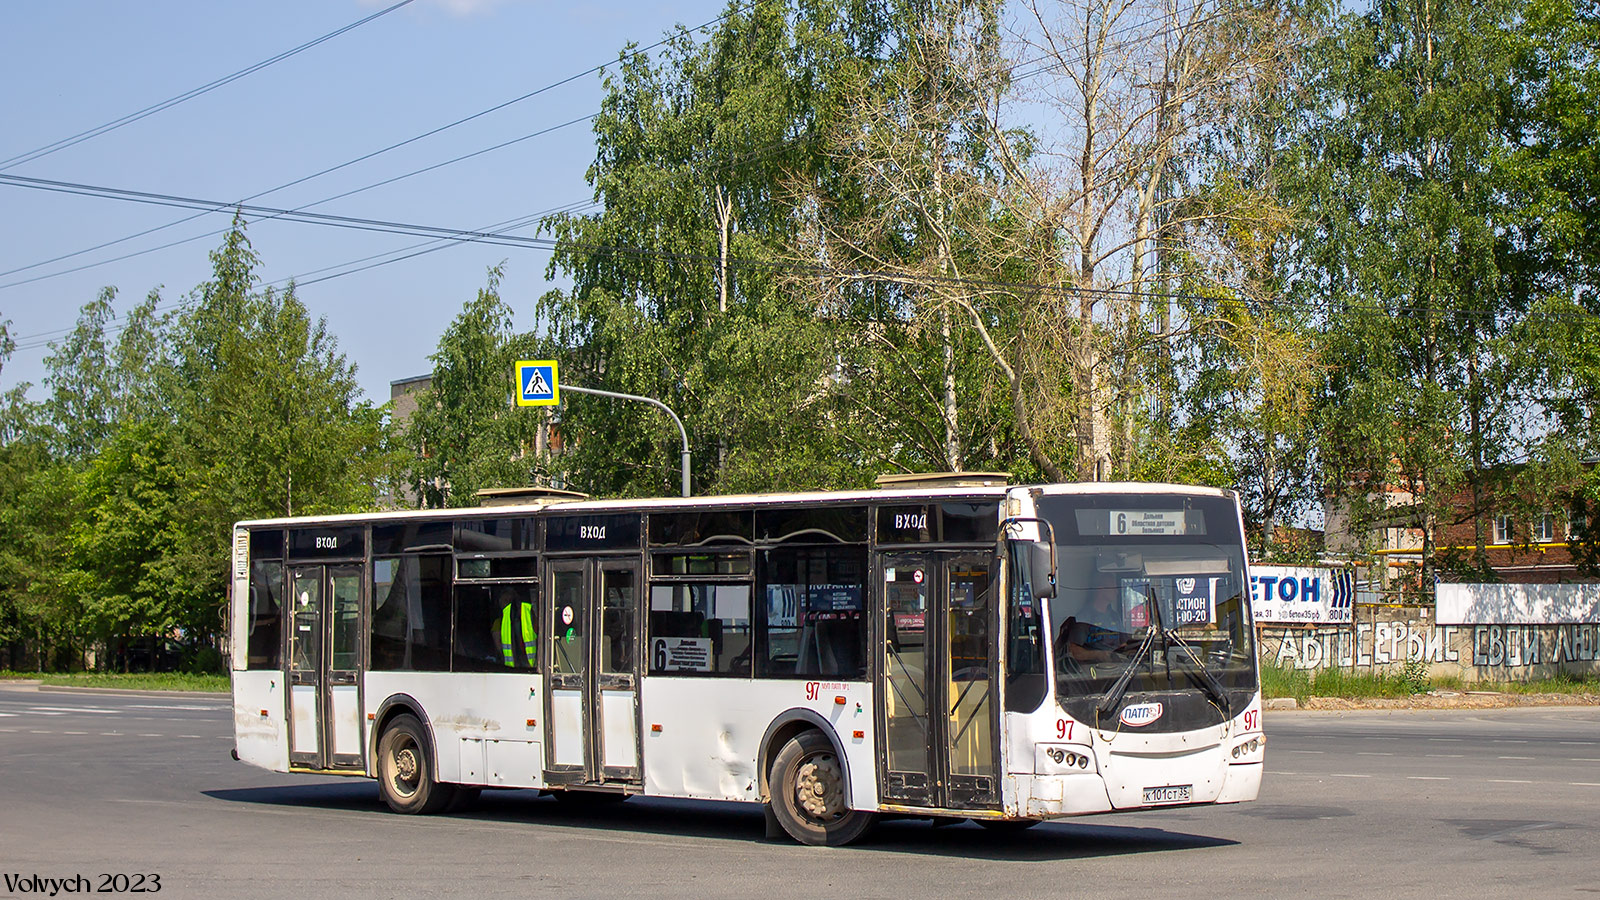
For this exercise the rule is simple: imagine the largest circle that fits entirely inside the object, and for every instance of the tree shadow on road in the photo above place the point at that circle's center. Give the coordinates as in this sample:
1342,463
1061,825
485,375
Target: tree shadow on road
745,823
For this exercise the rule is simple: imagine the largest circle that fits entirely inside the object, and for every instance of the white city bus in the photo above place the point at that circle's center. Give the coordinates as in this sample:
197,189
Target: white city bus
948,649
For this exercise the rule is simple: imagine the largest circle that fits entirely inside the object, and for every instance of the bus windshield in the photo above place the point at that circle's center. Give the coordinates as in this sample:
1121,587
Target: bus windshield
1149,585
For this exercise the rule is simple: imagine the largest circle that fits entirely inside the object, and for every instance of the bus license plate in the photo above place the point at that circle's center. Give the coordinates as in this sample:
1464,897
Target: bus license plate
1172,793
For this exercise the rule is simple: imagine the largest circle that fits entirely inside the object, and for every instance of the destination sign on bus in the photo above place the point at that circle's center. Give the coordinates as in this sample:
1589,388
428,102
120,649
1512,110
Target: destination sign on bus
1147,521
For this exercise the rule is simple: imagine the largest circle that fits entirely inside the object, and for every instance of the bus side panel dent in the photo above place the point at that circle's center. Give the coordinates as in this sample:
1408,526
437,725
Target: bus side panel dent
709,751
261,740
1050,796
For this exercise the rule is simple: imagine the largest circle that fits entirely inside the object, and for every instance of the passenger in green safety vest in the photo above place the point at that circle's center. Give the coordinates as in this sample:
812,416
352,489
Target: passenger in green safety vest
516,626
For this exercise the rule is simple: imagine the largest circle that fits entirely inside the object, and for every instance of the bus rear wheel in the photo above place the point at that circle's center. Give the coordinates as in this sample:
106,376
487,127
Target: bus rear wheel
811,796
405,769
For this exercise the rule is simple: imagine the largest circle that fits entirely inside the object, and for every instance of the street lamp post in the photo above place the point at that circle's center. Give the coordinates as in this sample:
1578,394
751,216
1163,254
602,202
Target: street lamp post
653,402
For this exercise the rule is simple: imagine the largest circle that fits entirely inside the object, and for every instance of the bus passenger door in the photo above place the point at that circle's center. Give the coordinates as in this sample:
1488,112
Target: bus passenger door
972,724
939,721
593,672
566,670
325,722
616,674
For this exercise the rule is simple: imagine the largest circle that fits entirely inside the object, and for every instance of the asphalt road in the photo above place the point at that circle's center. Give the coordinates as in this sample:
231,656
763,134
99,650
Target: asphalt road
1394,804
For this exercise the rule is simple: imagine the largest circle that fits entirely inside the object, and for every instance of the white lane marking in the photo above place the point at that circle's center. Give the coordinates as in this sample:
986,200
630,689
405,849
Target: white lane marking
1380,739
1575,743
75,709
152,735
74,732
189,735
1584,783
111,734
1506,741
1446,755
1516,757
11,715
1447,740
192,708
1371,753
1427,778
1307,751
1583,759
1343,775
35,731
1508,781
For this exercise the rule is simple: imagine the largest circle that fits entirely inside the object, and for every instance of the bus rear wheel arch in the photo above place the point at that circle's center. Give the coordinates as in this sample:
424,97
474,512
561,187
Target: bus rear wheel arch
406,775
811,793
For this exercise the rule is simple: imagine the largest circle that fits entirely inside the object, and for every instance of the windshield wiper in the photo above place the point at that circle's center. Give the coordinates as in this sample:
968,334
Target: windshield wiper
1120,686
1200,673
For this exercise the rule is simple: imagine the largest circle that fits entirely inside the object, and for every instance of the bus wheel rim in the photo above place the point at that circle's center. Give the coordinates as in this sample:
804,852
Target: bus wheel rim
819,787
407,772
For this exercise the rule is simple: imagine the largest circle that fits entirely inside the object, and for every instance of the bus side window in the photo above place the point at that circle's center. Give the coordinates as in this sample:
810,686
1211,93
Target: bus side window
700,628
411,613
265,649
496,628
813,612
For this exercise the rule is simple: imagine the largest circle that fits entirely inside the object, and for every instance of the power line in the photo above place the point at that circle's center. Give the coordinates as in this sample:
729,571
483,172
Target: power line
498,238
400,254
170,102
327,171
339,196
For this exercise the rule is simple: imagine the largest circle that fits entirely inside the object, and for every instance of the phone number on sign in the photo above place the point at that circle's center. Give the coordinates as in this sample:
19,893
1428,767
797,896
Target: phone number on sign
47,886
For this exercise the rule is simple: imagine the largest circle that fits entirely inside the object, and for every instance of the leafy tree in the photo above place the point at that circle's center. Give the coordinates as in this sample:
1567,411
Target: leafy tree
466,434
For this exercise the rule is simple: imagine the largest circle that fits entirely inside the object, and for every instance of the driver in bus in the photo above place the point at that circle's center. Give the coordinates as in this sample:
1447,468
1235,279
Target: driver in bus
1091,639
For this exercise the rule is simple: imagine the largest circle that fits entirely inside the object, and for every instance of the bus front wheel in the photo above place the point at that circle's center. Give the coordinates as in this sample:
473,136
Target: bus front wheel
810,795
405,769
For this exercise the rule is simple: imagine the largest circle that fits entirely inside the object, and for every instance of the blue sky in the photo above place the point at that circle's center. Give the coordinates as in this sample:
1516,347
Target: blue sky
71,65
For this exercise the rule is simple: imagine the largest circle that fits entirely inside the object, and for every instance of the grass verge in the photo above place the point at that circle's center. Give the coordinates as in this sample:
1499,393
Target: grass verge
138,681
1301,684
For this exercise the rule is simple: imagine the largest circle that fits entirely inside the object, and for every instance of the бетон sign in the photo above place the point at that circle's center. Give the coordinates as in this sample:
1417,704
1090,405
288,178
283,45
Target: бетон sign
1301,594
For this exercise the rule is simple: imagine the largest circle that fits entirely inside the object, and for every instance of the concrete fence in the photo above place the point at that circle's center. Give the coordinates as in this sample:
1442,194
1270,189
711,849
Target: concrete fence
1384,638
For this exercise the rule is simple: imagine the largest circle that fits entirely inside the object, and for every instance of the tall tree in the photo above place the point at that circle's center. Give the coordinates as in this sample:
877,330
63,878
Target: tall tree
466,434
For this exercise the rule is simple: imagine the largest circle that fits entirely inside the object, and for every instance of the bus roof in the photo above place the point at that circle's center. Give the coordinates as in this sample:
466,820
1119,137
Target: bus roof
649,504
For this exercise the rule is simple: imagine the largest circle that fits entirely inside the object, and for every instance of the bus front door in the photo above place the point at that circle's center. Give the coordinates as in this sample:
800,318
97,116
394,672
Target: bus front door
592,671
938,720
325,722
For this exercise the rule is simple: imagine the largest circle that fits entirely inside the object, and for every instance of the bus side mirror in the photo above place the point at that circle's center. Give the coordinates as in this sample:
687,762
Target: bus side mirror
1041,563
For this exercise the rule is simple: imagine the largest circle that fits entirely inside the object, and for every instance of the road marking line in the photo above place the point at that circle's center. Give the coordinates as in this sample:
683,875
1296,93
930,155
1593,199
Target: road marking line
1507,741
74,732
1446,755
75,709
1427,778
1563,743
8,715
190,708
1516,757
1508,781
1584,783
111,734
188,735
1307,751
1371,753
152,735
40,732
1447,740
1343,775
1583,759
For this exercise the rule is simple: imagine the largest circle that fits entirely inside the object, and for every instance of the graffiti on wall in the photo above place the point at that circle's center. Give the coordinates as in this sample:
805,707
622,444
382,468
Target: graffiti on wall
1382,644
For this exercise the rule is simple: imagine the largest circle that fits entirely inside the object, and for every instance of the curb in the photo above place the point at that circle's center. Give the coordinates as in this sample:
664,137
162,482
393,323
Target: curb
127,692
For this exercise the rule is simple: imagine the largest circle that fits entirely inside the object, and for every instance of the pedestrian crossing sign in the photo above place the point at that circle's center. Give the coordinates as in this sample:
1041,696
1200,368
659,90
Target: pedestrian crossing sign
536,383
